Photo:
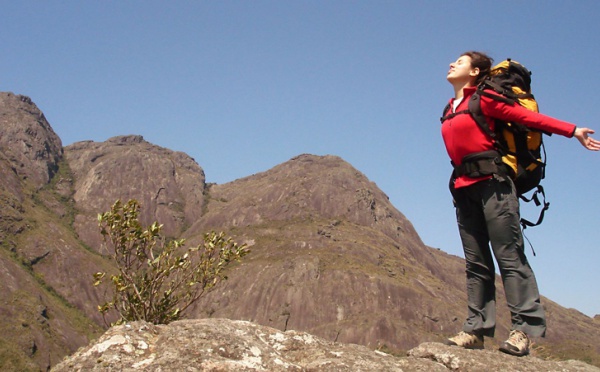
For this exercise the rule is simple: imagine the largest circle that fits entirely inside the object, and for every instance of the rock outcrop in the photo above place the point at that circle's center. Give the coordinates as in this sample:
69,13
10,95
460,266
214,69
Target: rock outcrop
226,345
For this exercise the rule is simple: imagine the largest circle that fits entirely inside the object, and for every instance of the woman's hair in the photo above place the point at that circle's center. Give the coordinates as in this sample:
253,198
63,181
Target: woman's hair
481,61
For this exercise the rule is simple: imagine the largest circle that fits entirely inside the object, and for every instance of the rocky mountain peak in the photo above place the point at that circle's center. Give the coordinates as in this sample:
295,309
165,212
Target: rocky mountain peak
169,185
27,141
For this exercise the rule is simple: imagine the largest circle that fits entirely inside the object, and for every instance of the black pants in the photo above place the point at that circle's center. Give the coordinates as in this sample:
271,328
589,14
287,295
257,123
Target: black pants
488,212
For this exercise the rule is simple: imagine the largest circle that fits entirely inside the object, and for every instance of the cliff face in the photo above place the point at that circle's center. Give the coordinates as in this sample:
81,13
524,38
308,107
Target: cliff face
330,254
27,140
40,258
169,185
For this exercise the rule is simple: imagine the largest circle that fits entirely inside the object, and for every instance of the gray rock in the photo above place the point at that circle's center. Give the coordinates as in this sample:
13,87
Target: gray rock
227,345
458,359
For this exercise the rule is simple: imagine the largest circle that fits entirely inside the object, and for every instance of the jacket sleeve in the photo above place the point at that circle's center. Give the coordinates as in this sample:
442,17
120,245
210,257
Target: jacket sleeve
518,114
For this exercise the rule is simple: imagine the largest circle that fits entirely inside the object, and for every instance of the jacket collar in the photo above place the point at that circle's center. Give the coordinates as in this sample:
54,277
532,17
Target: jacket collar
467,92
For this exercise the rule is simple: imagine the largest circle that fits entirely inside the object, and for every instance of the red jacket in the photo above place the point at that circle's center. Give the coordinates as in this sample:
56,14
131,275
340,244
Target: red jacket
462,136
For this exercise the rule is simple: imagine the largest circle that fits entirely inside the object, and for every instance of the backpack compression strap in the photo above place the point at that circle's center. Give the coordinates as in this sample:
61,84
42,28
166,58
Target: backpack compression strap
540,190
507,95
526,223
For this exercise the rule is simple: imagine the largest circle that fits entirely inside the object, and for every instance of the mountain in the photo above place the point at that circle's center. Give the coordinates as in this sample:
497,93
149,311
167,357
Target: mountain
330,254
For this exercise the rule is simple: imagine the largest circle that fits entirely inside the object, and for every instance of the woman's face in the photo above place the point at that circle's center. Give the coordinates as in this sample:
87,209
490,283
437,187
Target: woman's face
461,71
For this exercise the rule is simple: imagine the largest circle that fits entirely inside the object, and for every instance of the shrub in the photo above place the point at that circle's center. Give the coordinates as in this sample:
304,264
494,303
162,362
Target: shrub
157,278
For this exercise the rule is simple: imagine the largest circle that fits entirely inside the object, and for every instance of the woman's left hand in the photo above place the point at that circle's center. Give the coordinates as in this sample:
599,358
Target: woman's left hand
582,134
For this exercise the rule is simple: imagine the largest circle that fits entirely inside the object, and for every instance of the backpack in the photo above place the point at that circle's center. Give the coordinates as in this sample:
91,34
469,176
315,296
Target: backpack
521,148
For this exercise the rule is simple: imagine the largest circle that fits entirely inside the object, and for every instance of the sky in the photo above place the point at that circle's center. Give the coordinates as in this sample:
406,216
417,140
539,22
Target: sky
242,86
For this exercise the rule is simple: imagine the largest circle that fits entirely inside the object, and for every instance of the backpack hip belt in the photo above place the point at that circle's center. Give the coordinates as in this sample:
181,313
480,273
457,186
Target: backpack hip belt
481,164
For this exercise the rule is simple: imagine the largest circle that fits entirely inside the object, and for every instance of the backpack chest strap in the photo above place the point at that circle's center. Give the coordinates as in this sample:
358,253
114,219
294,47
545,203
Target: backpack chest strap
453,114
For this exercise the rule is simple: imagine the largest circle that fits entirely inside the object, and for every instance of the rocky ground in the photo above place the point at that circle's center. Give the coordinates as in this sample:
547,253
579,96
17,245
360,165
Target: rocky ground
227,345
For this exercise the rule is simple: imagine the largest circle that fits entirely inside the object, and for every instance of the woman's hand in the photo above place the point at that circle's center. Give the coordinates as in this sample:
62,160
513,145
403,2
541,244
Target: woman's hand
582,134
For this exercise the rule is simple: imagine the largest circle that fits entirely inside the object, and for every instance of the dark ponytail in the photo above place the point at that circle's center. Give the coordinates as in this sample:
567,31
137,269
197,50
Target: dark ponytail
481,61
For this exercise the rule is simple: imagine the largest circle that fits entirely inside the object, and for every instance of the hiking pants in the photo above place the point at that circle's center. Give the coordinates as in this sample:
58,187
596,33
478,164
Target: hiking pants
488,212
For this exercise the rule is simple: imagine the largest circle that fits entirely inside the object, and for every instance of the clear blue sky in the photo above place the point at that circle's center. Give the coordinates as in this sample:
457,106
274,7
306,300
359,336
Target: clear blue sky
242,86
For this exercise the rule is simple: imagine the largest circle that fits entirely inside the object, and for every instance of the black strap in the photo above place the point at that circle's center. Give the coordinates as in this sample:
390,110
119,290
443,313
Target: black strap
480,164
545,206
446,109
528,241
475,110
506,93
453,114
525,223
480,119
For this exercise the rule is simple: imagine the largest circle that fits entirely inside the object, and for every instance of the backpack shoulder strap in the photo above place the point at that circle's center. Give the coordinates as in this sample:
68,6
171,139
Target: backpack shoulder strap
477,114
446,109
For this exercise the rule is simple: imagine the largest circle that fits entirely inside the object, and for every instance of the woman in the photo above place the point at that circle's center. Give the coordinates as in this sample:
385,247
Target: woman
487,210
